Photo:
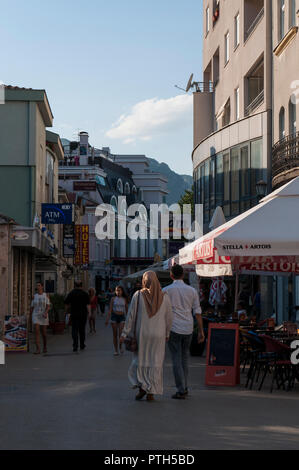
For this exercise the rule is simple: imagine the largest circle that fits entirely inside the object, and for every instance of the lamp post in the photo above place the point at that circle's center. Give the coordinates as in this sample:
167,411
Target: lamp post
261,189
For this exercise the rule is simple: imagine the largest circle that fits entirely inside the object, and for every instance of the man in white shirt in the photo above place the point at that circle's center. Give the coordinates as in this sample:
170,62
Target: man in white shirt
184,300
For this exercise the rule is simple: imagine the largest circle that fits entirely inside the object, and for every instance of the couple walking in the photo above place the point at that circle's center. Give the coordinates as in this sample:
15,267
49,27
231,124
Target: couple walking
154,318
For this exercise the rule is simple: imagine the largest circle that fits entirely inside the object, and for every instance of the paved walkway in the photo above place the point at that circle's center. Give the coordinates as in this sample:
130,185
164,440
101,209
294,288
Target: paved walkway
67,401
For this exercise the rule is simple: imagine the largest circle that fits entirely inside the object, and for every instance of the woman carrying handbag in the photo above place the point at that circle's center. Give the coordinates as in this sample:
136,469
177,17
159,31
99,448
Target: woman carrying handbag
147,329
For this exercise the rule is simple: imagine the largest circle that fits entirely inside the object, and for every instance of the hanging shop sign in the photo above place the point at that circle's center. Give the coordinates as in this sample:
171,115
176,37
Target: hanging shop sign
68,241
57,214
82,245
84,186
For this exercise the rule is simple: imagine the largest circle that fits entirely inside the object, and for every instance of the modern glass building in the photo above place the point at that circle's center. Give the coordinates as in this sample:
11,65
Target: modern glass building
228,179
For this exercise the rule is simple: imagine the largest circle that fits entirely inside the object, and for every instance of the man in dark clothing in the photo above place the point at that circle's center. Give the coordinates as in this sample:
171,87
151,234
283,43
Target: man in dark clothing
79,304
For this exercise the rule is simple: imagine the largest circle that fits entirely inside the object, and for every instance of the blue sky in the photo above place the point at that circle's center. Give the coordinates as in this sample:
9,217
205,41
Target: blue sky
110,68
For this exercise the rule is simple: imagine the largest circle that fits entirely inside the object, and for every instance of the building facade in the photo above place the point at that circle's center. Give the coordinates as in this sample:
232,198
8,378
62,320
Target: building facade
245,113
99,177
29,156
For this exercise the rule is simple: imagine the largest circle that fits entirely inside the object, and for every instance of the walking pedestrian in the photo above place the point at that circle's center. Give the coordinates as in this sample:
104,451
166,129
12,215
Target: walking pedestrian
149,320
117,313
78,302
39,311
102,300
93,309
184,300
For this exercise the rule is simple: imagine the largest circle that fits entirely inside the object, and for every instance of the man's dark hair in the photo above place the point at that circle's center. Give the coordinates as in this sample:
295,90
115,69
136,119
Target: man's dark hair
78,284
177,271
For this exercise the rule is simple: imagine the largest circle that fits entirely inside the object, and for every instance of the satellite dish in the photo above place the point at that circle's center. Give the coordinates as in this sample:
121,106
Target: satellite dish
189,83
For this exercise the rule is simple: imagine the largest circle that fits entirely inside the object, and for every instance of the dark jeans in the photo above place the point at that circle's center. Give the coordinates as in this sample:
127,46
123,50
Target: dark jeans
179,346
78,330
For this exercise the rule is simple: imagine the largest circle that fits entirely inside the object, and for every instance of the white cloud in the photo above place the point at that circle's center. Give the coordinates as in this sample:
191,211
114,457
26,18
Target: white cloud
153,117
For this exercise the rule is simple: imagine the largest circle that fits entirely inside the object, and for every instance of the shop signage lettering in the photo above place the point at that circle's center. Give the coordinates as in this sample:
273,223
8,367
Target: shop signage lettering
57,214
82,245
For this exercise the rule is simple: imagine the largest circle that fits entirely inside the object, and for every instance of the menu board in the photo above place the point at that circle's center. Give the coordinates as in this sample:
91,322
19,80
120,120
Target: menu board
223,355
15,335
222,347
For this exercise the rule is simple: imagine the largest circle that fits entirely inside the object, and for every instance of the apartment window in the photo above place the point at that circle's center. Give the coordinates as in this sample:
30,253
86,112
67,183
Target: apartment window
237,30
254,88
235,181
226,183
226,114
292,117
237,104
281,16
292,13
207,20
282,124
226,47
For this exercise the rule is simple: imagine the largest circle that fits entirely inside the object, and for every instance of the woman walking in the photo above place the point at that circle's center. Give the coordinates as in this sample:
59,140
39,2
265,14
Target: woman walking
40,306
117,312
93,309
149,320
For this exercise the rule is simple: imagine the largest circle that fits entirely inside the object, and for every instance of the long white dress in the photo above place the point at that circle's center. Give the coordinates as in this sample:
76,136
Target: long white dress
146,370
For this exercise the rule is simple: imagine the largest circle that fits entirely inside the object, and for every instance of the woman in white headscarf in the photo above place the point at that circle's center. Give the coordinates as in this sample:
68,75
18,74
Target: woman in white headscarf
149,320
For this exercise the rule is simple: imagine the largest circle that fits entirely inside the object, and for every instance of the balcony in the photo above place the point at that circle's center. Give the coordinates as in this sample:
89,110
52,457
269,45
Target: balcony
285,160
254,104
254,24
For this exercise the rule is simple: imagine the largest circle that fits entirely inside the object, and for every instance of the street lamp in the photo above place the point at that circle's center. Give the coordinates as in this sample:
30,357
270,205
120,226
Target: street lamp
261,189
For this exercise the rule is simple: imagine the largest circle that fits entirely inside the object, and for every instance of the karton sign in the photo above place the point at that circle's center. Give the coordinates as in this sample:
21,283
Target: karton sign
57,214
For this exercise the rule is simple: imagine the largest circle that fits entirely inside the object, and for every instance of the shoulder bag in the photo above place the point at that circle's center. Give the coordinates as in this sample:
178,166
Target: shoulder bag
131,341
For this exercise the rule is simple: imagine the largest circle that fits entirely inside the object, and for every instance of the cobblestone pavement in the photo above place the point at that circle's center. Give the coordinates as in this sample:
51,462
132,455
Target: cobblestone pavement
68,401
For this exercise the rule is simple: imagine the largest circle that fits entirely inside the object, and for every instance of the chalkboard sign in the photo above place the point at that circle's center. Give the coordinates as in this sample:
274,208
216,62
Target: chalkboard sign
222,347
223,356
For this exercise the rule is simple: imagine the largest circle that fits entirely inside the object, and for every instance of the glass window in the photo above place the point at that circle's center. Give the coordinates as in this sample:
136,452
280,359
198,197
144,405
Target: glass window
281,19
207,20
226,47
292,116
235,181
237,30
226,206
256,157
281,124
206,191
212,186
245,179
219,180
202,185
237,104
292,13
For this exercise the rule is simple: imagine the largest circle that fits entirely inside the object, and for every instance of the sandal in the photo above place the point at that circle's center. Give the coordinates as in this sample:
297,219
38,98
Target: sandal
179,396
150,397
140,395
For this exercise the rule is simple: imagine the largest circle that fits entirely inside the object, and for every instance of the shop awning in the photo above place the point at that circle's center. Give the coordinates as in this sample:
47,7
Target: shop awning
265,238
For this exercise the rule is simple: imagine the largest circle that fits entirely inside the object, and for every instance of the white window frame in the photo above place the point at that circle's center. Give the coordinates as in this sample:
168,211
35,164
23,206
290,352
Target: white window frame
226,48
237,103
207,20
237,30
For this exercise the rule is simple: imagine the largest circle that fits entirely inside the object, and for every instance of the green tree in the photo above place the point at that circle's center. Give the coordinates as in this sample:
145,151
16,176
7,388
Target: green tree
188,198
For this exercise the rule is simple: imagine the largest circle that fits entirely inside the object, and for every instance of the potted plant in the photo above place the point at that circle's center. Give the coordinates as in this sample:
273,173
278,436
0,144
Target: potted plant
57,314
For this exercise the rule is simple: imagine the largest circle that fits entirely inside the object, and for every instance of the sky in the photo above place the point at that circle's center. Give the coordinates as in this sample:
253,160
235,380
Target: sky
109,68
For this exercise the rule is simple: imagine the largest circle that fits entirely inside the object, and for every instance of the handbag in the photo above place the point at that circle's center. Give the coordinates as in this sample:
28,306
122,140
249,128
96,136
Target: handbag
131,341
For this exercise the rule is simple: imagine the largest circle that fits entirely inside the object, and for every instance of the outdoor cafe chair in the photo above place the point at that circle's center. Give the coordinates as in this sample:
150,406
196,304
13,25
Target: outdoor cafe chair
283,371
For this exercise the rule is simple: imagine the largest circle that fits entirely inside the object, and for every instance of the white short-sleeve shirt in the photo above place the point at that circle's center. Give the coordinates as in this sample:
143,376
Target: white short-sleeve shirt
39,305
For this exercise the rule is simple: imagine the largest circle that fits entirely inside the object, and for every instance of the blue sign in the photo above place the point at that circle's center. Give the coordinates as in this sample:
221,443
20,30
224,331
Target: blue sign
57,214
